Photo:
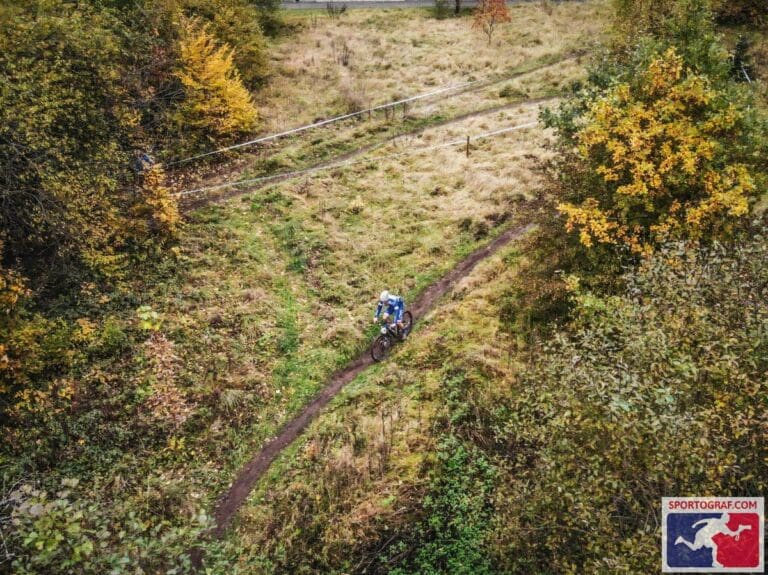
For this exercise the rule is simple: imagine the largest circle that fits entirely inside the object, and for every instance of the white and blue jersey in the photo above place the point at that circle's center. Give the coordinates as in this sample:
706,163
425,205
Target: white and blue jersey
394,306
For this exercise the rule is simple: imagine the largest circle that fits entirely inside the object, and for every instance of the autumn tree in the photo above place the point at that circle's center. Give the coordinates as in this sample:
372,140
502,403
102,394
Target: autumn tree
659,143
665,152
236,23
63,127
216,105
155,211
489,14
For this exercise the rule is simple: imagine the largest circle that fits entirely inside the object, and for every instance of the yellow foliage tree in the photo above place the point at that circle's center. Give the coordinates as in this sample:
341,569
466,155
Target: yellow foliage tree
659,149
156,211
216,103
12,289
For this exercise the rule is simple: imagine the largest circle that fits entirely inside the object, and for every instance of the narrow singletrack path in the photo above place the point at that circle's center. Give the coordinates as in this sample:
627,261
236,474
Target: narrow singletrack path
231,501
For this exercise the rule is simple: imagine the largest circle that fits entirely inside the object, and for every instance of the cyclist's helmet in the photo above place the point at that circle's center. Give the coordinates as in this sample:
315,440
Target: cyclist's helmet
384,296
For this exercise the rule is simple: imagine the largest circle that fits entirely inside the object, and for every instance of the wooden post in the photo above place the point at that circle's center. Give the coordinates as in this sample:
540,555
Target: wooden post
467,146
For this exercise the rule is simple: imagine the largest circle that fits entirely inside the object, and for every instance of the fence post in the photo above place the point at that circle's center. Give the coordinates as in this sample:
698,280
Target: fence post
467,146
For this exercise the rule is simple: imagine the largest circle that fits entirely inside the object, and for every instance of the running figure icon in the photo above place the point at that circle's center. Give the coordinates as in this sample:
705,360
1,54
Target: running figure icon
705,536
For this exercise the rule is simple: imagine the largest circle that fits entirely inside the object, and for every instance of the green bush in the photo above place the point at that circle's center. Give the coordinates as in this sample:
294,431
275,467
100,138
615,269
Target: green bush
441,9
66,532
113,339
656,392
453,535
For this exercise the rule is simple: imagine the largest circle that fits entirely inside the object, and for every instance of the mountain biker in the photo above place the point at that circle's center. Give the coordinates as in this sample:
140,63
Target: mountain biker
393,305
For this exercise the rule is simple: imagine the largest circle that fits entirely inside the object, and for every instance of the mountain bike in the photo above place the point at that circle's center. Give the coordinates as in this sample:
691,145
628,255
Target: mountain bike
388,335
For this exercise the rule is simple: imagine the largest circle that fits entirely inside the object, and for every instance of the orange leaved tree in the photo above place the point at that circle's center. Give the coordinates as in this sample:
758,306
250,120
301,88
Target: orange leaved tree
489,14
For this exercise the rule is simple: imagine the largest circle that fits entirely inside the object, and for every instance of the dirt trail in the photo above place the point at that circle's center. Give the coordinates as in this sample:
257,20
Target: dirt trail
198,201
227,170
231,501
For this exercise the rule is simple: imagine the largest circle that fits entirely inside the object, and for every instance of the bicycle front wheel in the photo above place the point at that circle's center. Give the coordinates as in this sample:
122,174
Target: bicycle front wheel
381,347
407,323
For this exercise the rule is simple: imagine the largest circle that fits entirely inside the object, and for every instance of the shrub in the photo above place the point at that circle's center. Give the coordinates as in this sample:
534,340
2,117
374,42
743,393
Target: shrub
155,211
452,537
65,532
441,9
666,150
688,25
335,10
595,428
754,12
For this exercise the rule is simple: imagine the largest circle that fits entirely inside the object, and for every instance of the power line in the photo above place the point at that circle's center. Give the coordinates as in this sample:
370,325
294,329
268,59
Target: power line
346,163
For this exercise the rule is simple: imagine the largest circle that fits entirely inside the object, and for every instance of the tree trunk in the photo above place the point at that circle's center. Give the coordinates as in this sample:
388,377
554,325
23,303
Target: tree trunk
457,7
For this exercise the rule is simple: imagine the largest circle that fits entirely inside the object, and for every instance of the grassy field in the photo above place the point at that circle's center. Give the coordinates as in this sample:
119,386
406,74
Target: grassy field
270,292
282,281
365,58
344,494
395,54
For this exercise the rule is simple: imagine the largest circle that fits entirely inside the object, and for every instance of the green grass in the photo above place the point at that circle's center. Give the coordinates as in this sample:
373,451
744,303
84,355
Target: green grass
330,479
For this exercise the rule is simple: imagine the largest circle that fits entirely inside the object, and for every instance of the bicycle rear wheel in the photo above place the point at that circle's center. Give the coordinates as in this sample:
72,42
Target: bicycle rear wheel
381,347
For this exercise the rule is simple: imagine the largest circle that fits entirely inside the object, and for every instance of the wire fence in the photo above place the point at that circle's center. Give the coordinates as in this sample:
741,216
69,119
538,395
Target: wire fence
350,162
323,123
455,87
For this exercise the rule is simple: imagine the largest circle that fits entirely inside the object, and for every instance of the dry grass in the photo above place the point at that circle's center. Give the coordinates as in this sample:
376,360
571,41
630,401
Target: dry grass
400,53
410,209
322,87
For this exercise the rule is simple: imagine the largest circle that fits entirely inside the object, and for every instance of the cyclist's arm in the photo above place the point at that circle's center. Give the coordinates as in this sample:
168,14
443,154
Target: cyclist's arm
378,310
